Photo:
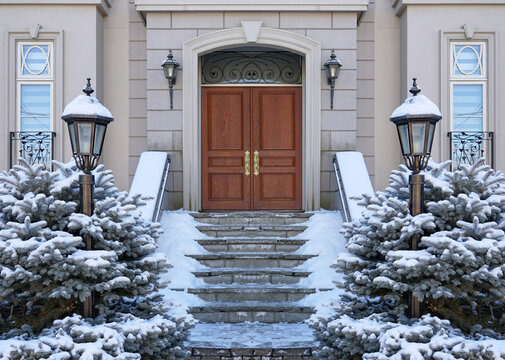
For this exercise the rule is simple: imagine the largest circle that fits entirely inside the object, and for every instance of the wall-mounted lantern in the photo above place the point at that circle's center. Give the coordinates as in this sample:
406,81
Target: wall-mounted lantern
170,67
333,66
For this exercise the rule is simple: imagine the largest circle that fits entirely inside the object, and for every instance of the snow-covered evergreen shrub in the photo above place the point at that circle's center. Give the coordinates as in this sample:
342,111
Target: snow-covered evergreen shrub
458,272
45,270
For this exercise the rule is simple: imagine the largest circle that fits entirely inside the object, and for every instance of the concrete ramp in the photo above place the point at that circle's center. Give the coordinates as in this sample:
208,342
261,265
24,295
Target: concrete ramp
150,180
352,181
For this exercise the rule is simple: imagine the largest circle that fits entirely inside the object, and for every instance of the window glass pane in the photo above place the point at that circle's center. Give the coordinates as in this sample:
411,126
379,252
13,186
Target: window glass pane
468,107
35,107
36,59
467,60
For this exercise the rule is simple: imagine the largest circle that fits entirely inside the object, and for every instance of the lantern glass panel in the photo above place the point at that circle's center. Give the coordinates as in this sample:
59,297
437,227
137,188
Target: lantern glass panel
169,71
403,130
418,135
99,134
84,133
71,130
431,132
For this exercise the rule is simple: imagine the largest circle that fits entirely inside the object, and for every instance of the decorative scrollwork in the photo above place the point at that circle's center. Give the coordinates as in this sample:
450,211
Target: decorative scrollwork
36,147
234,67
466,147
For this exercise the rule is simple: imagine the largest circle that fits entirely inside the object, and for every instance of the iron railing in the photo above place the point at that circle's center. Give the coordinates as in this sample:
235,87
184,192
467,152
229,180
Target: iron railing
36,147
465,147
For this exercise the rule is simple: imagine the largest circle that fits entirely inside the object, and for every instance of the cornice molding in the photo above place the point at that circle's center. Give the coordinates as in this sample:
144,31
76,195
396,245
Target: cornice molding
400,5
252,5
103,6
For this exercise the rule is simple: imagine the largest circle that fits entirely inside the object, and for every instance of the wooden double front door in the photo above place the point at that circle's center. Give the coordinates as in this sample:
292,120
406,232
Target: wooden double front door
251,148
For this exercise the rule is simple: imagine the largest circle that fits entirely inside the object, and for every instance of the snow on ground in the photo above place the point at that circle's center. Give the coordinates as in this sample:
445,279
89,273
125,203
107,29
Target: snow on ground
325,241
177,241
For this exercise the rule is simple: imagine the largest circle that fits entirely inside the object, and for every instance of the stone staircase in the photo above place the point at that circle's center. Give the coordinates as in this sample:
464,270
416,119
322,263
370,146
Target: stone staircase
250,277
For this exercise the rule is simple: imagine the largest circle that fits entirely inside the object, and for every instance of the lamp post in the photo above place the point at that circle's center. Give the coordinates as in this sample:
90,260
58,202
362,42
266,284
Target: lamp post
87,122
170,67
415,122
333,66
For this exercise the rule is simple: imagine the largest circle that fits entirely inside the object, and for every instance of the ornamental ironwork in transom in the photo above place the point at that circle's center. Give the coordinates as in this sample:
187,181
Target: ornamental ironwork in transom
250,67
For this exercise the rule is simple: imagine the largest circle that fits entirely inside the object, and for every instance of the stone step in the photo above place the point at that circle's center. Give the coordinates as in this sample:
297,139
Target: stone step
280,231
251,260
249,276
251,341
261,292
249,218
251,244
252,311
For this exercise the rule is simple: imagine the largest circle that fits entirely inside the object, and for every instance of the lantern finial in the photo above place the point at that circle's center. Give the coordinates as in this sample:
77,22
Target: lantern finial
88,90
414,90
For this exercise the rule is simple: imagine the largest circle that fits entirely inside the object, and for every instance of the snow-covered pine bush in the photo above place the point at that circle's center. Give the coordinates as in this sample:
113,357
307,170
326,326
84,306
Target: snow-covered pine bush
458,272
45,270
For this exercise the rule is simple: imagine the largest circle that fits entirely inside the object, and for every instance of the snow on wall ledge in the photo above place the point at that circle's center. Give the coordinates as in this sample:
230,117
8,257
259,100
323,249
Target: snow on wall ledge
355,180
147,180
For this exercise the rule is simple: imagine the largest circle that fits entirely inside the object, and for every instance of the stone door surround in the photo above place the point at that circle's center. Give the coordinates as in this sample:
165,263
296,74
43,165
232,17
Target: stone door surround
252,33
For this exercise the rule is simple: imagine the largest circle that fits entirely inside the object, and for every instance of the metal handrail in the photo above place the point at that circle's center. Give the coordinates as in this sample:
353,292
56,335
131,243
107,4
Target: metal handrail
341,191
161,191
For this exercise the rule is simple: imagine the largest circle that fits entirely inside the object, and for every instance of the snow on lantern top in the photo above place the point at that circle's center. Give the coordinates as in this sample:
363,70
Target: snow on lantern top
87,106
416,106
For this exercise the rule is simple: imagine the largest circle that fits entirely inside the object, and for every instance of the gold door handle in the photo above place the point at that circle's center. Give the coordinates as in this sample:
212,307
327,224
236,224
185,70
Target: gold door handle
247,163
256,163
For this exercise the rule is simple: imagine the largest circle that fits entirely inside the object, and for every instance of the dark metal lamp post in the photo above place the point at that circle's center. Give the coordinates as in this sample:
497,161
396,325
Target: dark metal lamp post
333,66
87,122
415,121
170,67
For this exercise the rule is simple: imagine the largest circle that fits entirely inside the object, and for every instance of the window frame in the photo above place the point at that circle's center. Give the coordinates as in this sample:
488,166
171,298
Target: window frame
455,36
19,62
20,83
485,121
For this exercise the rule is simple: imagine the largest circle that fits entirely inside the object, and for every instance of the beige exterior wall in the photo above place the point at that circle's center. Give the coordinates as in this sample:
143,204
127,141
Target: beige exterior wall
77,32
137,85
116,92
334,30
387,91
366,89
425,34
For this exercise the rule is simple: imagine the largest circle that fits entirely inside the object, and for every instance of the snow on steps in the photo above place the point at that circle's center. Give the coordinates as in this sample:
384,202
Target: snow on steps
250,273
252,341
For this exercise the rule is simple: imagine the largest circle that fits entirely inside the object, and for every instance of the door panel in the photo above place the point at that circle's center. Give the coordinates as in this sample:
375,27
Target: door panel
225,138
267,120
277,136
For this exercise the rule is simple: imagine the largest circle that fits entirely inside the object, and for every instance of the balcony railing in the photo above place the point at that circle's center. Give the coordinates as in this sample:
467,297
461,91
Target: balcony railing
465,147
36,147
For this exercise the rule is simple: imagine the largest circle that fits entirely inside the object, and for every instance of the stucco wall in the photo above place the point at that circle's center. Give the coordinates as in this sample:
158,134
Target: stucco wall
137,85
78,33
425,31
334,30
116,92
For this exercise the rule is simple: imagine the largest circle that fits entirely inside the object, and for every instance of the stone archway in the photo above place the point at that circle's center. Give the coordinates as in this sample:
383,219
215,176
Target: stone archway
252,33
